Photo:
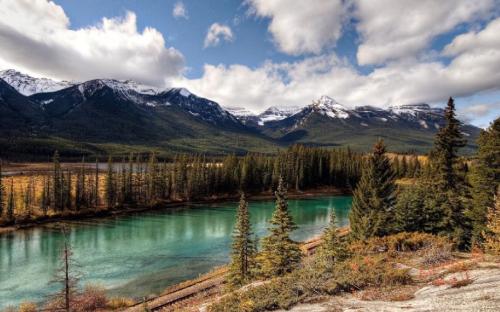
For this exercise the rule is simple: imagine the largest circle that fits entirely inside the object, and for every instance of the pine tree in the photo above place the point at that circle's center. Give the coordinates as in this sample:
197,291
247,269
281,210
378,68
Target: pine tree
67,277
374,197
67,187
280,254
11,203
110,185
484,178
243,248
444,154
45,198
96,186
57,189
492,232
332,250
449,183
28,196
1,191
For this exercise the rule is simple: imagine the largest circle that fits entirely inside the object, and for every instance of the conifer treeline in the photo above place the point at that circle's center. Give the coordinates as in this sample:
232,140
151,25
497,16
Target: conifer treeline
447,198
137,181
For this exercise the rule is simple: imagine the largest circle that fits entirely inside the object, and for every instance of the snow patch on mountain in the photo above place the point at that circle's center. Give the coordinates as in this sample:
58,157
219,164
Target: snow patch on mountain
129,85
275,113
28,85
331,108
239,111
414,109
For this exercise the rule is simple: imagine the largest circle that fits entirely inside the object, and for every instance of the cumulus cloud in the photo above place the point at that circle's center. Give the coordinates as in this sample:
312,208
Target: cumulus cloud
299,26
35,37
392,30
180,10
217,32
474,68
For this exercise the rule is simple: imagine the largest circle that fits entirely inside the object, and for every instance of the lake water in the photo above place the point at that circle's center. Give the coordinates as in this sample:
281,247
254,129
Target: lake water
140,254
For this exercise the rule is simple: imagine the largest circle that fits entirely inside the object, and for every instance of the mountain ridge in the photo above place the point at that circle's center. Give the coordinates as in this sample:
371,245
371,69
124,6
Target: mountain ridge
109,111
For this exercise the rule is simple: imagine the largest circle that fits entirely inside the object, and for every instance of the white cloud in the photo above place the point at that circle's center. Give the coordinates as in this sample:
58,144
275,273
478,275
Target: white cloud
180,10
217,32
299,26
474,68
479,110
35,37
394,29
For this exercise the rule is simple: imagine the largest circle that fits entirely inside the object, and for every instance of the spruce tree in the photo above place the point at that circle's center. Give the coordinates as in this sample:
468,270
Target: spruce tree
484,178
1,191
332,249
110,185
410,213
57,189
96,185
444,154
280,254
243,248
449,183
492,232
11,203
374,197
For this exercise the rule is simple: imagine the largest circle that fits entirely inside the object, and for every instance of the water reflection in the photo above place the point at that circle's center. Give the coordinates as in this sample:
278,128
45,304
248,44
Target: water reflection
140,254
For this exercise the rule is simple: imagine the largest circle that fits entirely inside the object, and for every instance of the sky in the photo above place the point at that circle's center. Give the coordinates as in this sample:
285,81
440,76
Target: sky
260,53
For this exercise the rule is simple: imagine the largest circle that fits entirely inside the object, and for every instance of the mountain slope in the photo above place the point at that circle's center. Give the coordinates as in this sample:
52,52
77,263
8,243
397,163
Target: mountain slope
112,114
106,115
28,85
328,123
106,110
19,115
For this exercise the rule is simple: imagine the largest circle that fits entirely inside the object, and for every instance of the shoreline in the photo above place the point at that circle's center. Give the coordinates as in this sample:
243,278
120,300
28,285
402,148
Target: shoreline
104,213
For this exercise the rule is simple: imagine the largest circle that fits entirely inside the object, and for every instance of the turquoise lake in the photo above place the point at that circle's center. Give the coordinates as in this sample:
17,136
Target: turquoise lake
141,254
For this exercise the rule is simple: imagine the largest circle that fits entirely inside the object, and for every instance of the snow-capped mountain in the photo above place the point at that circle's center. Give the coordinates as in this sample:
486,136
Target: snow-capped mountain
126,112
28,85
239,112
273,113
416,115
329,107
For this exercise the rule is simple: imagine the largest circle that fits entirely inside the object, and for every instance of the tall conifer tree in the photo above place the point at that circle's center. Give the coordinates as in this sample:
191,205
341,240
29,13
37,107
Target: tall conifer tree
1,191
280,254
11,203
485,178
243,248
332,250
444,155
491,233
57,185
110,184
374,197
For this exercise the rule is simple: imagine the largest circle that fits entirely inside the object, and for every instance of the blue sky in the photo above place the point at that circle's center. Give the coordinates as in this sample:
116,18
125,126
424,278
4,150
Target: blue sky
251,46
270,52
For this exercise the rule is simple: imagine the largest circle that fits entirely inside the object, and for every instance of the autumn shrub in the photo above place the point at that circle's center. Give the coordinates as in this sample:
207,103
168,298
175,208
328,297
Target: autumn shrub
115,303
436,254
401,242
463,280
282,293
28,307
92,298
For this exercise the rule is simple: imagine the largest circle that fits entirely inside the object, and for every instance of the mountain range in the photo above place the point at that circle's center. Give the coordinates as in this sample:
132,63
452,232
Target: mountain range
38,115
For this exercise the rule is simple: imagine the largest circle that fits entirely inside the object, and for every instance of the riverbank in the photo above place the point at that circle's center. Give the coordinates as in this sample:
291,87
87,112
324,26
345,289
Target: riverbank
143,254
208,285
102,212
